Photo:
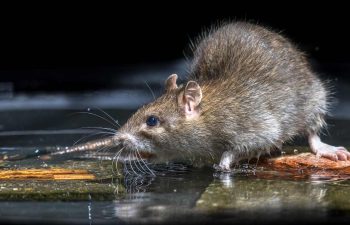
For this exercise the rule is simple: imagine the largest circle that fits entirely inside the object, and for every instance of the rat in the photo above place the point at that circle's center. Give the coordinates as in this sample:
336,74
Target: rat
249,90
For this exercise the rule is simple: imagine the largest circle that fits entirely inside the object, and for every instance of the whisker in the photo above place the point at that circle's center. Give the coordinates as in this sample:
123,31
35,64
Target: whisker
116,163
103,157
154,97
137,167
117,160
108,115
94,114
91,135
144,162
116,185
131,166
100,128
137,161
103,149
126,170
139,184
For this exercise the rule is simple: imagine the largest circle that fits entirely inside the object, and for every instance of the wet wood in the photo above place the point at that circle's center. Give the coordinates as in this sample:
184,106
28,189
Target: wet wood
305,165
309,161
46,174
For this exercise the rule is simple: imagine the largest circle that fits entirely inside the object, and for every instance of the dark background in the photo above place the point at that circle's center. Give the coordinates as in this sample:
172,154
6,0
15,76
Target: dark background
58,60
69,48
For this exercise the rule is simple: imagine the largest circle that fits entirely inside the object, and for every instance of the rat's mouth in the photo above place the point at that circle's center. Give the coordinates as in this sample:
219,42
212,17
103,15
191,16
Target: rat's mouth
125,154
146,155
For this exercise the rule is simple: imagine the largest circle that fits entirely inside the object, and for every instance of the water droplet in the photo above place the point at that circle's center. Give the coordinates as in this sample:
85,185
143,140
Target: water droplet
200,201
37,151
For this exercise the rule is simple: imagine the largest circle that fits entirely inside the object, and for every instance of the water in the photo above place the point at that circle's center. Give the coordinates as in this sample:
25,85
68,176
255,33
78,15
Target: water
178,194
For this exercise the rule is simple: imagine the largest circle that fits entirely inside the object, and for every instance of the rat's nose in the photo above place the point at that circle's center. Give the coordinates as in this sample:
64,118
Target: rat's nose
124,140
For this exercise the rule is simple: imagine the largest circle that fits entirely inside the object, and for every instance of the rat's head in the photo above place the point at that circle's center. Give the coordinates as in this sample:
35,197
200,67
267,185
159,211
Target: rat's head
164,126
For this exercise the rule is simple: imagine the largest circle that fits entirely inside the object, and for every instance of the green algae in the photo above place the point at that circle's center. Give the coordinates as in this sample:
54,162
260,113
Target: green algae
59,190
106,186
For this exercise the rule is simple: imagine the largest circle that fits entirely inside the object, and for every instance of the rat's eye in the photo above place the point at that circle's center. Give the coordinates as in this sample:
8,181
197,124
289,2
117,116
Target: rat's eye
152,121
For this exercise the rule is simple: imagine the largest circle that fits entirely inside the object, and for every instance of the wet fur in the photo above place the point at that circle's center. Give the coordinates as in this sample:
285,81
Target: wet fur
258,92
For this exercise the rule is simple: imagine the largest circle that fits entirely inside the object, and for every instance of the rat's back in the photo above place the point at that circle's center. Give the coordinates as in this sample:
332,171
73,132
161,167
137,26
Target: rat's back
262,81
242,50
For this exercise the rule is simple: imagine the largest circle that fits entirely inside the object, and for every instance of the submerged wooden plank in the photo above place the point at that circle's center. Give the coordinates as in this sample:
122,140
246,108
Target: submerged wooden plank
69,180
46,174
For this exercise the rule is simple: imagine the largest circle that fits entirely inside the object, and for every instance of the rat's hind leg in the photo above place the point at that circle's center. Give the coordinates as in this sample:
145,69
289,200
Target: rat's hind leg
321,149
327,151
318,104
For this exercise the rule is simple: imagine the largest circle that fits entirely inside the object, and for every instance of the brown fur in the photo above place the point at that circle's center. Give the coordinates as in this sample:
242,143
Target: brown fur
257,91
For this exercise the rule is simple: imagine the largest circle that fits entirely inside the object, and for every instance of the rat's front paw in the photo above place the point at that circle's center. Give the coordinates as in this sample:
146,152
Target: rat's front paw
225,163
222,168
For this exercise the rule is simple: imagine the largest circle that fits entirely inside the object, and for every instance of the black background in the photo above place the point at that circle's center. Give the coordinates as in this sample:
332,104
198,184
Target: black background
64,47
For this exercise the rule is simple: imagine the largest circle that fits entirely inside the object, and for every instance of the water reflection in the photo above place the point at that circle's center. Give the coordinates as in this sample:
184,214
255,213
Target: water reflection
135,182
247,193
168,196
251,194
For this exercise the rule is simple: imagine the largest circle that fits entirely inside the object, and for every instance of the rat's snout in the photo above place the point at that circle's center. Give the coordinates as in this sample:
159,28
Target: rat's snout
126,140
131,142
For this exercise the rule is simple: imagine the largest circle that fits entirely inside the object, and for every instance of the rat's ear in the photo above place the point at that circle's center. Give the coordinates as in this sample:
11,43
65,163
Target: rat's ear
190,99
170,83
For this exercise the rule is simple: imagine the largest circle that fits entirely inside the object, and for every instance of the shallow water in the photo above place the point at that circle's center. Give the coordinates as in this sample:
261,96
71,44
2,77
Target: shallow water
178,194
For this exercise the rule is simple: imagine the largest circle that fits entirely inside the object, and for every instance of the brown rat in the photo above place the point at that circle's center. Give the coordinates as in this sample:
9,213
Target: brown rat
249,91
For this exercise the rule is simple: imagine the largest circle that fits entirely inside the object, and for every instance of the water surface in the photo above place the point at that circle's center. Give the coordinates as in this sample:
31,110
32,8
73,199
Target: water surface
178,194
